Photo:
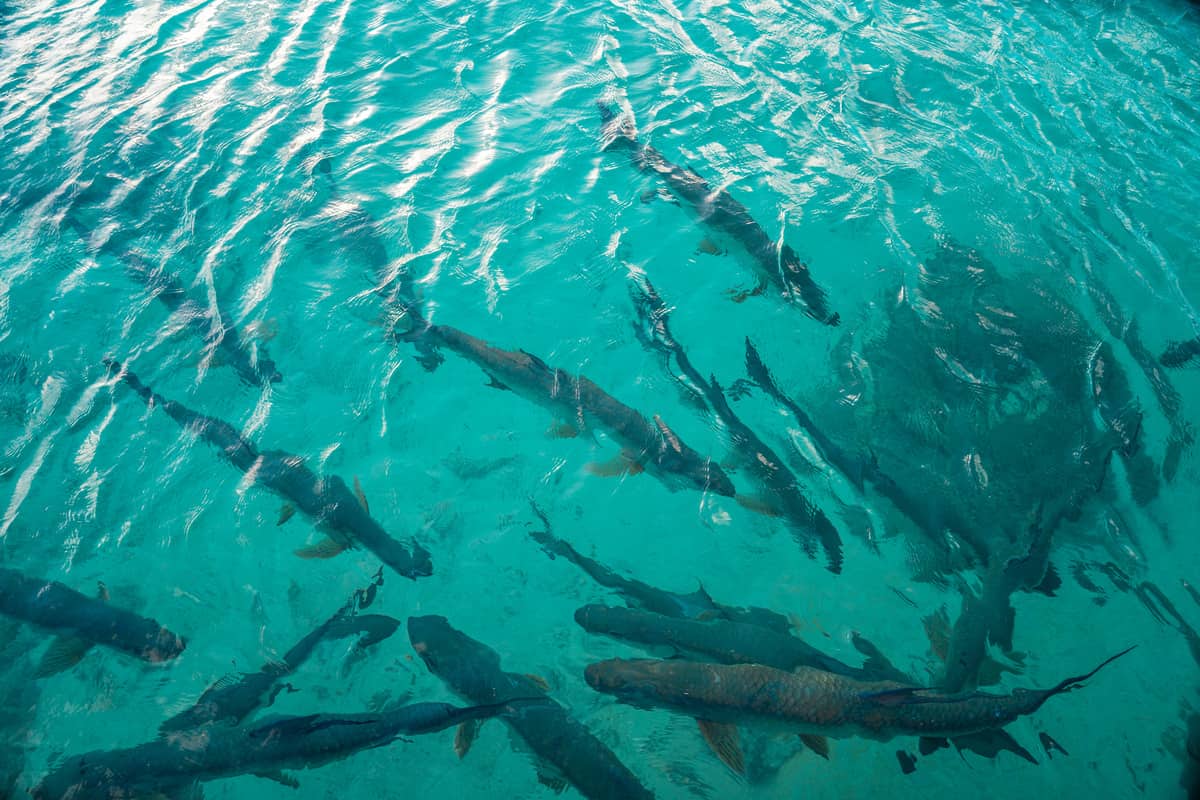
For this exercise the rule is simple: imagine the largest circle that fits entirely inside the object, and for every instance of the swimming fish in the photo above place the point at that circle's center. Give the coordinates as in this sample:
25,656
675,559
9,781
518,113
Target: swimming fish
326,500
566,750
65,652
62,610
179,760
776,264
810,701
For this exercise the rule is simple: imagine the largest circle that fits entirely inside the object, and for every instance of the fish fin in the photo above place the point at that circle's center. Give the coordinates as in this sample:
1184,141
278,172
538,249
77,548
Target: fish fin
723,739
818,744
931,744
537,362
541,682
1051,581
361,495
668,434
908,764
102,592
326,548
709,247
562,430
991,743
614,131
286,512
766,506
279,776
225,681
615,467
1050,745
548,776
63,653
937,628
742,295
495,384
464,736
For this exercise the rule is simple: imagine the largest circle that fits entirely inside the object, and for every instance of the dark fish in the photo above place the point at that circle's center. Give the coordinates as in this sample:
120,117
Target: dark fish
720,640
327,500
786,499
231,701
811,701
777,264
65,652
697,605
64,611
180,760
646,444
472,669
1114,397
1178,354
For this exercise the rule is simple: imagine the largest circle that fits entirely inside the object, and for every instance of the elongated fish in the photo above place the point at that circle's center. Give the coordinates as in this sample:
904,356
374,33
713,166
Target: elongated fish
1178,354
178,761
566,749
696,605
776,264
785,497
811,701
326,500
64,611
645,444
722,640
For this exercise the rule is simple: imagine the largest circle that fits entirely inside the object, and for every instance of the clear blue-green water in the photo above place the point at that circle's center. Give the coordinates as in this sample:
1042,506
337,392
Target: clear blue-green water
1057,140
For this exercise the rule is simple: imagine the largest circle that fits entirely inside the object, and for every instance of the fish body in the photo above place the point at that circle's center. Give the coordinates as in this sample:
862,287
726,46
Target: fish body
473,670
57,608
327,500
585,405
695,605
812,701
721,640
182,759
1178,354
775,264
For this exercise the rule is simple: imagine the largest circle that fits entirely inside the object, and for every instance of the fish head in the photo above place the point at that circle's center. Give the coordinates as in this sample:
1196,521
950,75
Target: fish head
646,683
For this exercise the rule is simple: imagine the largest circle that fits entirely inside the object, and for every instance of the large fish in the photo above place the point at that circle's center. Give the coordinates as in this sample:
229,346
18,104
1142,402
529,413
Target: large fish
723,641
645,444
810,701
66,612
776,264
327,500
175,762
696,605
784,495
567,751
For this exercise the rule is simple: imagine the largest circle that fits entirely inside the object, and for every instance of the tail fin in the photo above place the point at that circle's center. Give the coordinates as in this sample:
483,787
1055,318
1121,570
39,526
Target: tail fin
1179,353
1076,682
614,131
758,371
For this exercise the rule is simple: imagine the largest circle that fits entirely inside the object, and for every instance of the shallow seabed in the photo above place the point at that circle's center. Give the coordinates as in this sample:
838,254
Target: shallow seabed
280,157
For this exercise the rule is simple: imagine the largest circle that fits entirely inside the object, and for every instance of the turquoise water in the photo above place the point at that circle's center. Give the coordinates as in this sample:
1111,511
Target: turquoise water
883,141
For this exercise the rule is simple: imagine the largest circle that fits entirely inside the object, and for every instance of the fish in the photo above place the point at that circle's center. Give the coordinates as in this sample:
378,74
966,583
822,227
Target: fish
231,701
325,499
696,605
785,497
173,763
724,641
776,264
1178,354
1113,396
62,610
65,652
811,701
565,749
647,444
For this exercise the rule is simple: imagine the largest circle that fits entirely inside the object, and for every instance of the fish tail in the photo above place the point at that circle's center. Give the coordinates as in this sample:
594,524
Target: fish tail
1077,681
131,379
616,133
758,371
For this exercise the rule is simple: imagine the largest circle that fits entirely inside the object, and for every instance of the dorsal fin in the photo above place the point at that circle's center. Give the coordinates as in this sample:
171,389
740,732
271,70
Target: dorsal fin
537,362
668,434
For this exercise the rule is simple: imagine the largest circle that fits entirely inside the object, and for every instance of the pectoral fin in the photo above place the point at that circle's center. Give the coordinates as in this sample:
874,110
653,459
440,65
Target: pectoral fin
280,777
931,744
495,384
562,430
818,744
361,495
624,463
723,738
286,512
63,653
326,548
464,736
549,777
